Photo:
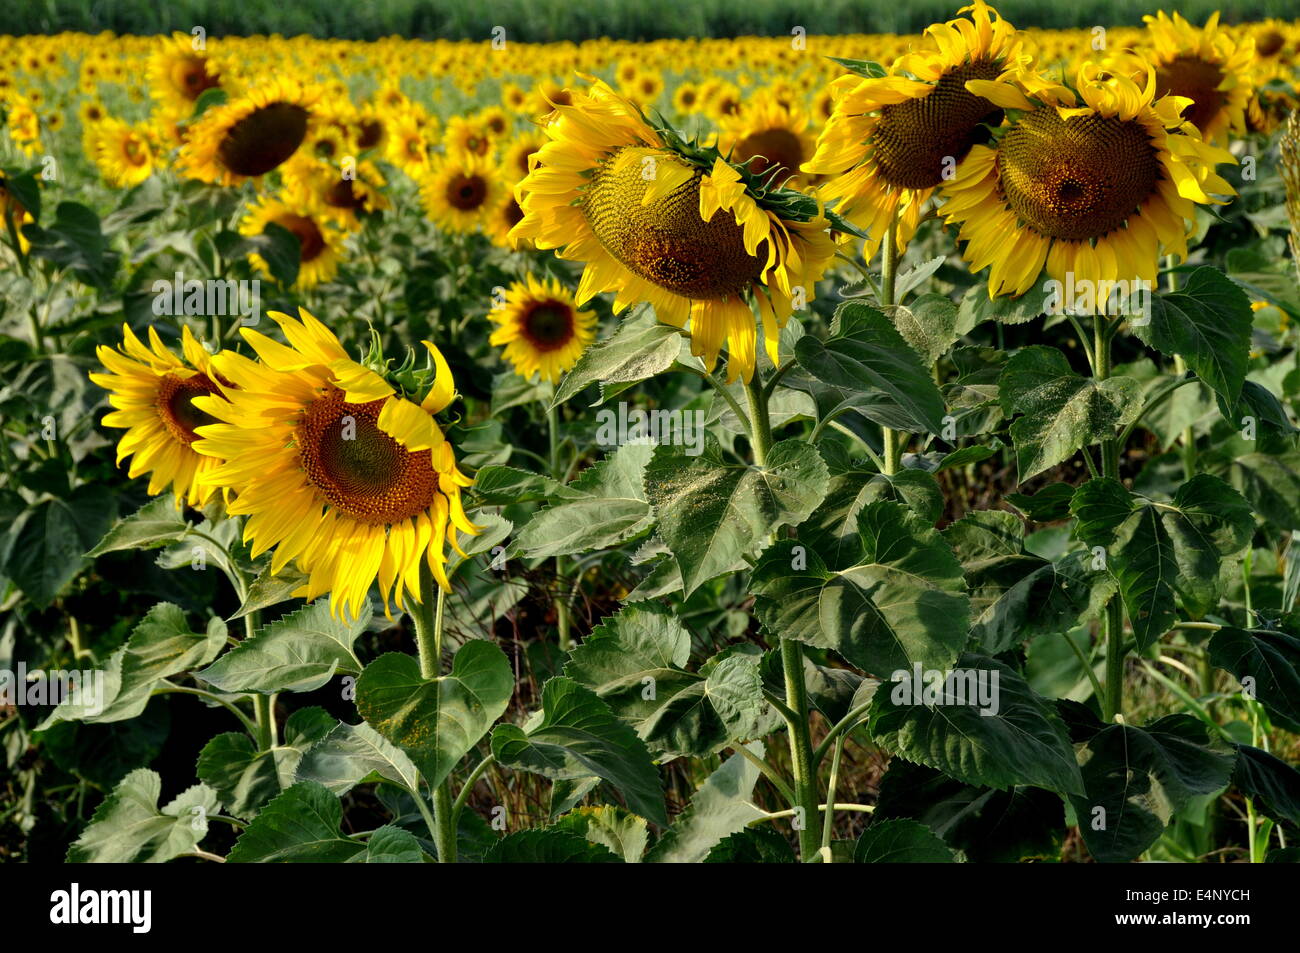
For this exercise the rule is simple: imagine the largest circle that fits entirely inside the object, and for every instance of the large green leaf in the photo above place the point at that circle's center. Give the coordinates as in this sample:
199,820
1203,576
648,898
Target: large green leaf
301,826
1270,660
549,845
901,841
436,721
1208,324
162,645
1016,738
1060,410
245,778
902,601
635,661
157,523
393,845
579,736
622,832
606,506
640,349
722,806
832,529
1158,551
1270,780
710,512
129,827
46,542
1136,779
355,754
866,353
299,652
931,324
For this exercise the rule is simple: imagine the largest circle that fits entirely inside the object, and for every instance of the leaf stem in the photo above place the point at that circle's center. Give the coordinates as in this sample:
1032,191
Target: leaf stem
428,634
563,622
894,441
1112,703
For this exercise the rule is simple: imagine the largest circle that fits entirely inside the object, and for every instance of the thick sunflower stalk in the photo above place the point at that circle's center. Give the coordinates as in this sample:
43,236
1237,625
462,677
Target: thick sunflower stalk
1290,149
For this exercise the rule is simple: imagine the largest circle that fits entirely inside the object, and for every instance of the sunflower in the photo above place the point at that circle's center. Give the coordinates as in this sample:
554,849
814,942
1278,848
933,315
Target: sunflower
409,140
1100,190
542,329
1207,67
460,189
320,244
514,162
154,394
340,195
503,217
24,125
641,208
467,135
686,99
247,138
767,134
892,138
334,469
514,97
122,152
179,74
11,210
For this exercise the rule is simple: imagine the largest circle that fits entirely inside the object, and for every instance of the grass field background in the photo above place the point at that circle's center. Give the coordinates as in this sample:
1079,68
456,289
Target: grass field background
549,20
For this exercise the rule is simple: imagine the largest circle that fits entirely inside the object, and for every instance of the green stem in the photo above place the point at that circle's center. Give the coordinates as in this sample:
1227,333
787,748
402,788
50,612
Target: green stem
263,705
760,423
1112,703
468,788
563,622
428,634
1188,437
167,688
894,441
828,822
805,780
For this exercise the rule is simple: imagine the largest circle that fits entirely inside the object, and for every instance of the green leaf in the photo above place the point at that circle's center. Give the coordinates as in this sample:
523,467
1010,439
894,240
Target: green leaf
902,602
640,349
299,652
864,68
578,736
931,324
868,354
129,827
1270,780
1272,485
270,590
1060,411
832,529
1158,551
46,542
722,806
612,827
1023,741
301,826
393,845
901,842
436,721
977,307
75,241
548,846
1271,662
245,778
505,486
711,513
162,645
1136,779
356,754
607,506
1048,505
635,661
1208,324
753,845
157,522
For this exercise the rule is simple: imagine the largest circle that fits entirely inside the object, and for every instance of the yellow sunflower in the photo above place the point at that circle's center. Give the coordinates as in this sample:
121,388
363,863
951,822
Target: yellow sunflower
541,328
409,141
11,210
467,135
340,194
122,152
503,217
320,244
893,139
1101,190
179,74
248,137
460,189
768,135
642,209
514,162
1205,65
334,469
154,394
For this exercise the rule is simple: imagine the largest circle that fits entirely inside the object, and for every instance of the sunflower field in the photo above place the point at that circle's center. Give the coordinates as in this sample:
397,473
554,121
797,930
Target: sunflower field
805,448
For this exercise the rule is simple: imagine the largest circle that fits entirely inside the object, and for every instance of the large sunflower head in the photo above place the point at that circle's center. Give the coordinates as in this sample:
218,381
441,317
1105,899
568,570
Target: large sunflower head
179,73
335,468
541,328
320,243
664,221
1206,66
153,393
896,134
1100,189
340,194
460,190
248,137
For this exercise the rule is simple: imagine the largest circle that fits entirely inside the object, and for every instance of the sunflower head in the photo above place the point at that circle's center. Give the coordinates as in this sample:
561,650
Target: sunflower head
335,468
179,72
320,243
153,393
122,152
249,136
460,189
541,329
